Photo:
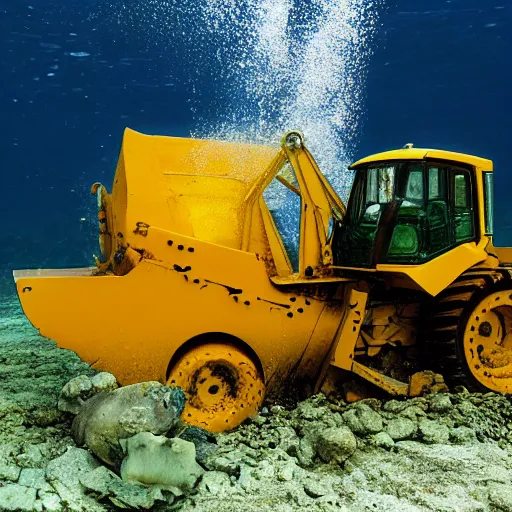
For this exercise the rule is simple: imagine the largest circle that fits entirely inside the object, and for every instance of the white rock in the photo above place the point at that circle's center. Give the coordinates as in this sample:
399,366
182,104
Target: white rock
157,460
103,381
18,497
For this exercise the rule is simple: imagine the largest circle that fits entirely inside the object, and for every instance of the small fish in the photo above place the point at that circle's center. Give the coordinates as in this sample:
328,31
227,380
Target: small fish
78,54
50,46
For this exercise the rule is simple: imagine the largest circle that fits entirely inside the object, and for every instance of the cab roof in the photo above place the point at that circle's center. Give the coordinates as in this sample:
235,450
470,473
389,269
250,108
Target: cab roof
422,154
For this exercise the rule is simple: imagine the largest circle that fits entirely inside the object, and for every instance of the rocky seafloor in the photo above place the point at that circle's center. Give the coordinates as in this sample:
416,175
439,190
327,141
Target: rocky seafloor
444,452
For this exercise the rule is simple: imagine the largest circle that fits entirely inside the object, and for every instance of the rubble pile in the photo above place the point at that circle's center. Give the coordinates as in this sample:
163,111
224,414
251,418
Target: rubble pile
442,452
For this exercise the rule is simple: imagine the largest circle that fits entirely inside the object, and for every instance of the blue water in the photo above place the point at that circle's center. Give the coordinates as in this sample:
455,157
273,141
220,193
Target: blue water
74,74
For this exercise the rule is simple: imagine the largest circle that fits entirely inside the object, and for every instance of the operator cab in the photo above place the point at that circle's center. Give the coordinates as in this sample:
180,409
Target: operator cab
408,211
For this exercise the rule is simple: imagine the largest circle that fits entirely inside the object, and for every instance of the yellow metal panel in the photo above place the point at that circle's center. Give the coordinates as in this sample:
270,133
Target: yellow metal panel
504,254
421,153
345,341
435,275
282,263
206,180
132,325
388,384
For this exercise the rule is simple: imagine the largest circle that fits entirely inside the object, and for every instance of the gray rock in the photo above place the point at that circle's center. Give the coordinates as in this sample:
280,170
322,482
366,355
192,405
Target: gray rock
500,496
98,480
246,479
64,474
463,435
288,440
9,472
413,413
18,498
228,465
264,470
104,483
259,419
309,410
401,428
50,502
384,440
336,444
316,488
204,442
156,460
215,482
286,473
35,478
103,381
362,419
395,406
434,432
109,417
440,403
31,457
307,449
77,387
74,393
126,495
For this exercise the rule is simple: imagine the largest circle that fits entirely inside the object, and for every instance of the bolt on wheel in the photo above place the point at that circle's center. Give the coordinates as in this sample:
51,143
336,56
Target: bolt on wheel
222,385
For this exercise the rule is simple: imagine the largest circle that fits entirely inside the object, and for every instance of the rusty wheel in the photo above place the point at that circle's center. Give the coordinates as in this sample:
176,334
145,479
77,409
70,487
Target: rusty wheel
487,341
222,385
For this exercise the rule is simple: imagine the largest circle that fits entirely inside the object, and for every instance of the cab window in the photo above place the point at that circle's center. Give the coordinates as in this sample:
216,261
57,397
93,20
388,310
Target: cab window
463,207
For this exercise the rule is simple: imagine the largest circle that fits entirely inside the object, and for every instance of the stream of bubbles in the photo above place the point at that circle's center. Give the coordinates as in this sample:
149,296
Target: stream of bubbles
257,68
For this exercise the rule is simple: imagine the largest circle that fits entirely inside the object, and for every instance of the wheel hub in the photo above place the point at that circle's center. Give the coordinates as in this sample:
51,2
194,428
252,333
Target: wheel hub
485,329
213,385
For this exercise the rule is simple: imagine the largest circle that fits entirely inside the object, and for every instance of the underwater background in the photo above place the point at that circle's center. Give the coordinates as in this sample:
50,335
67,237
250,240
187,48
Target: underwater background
357,76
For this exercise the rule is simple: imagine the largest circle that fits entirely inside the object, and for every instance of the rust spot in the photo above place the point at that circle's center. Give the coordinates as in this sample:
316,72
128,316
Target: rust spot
188,268
141,229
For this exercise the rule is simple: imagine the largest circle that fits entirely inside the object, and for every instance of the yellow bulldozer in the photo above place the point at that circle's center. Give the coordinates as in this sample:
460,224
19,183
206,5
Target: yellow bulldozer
235,271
